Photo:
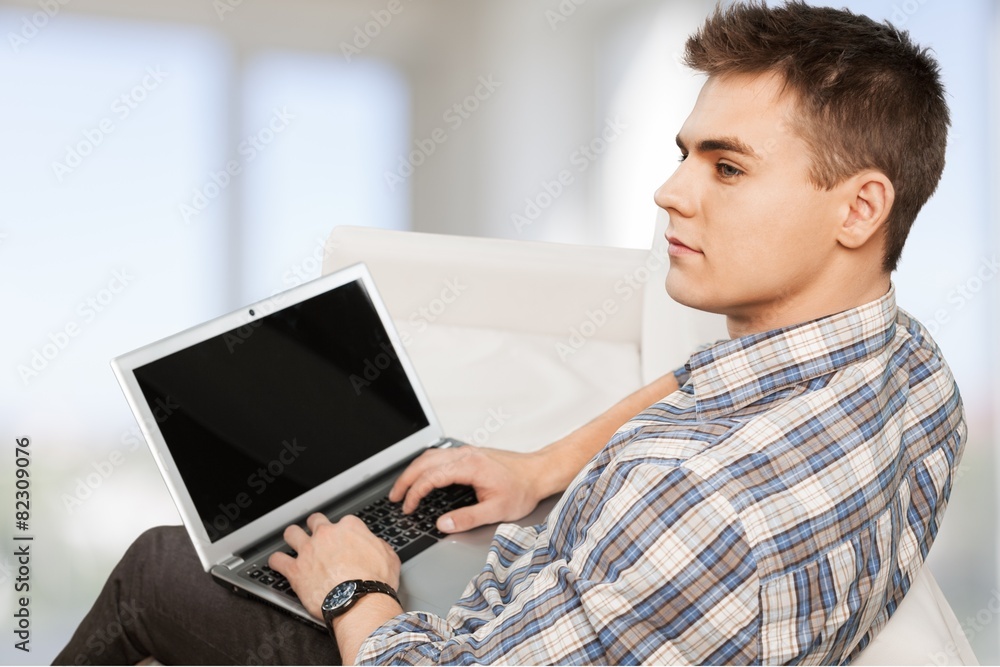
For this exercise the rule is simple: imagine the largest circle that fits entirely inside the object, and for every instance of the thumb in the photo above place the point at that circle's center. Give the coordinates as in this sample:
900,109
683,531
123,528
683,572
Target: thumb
467,518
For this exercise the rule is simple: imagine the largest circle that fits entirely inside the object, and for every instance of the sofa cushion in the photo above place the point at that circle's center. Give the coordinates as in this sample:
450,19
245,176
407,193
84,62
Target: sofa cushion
517,390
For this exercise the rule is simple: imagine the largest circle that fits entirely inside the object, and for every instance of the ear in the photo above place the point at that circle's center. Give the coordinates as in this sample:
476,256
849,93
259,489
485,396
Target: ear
869,198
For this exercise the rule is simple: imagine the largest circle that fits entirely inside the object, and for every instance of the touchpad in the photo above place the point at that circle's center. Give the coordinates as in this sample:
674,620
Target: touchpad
434,579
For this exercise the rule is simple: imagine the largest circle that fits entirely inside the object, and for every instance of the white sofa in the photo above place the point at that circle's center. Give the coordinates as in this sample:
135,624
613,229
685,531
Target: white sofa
517,343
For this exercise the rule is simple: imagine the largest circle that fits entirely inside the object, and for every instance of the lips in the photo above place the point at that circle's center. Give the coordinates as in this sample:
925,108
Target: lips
678,248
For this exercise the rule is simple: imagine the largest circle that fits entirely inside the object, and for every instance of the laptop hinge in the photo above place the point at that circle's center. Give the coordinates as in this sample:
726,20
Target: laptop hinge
232,562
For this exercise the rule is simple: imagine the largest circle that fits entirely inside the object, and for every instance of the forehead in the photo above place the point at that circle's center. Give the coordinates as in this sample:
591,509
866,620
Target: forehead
755,108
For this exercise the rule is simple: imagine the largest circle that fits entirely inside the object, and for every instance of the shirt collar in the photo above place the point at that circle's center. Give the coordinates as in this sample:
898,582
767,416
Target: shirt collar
738,372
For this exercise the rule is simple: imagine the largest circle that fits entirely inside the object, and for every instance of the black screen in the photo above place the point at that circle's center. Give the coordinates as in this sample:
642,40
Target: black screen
261,414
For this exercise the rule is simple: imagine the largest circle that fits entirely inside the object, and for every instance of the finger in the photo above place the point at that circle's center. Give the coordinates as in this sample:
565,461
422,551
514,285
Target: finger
316,520
281,562
453,472
419,466
295,537
473,516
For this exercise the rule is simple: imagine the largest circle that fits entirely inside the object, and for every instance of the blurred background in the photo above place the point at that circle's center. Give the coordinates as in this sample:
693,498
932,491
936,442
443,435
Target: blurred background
162,163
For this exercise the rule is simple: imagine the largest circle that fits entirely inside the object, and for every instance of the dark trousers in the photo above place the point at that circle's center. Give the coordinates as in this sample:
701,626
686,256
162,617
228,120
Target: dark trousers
159,602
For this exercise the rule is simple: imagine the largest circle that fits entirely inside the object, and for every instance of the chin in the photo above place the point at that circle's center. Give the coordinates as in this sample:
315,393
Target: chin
688,293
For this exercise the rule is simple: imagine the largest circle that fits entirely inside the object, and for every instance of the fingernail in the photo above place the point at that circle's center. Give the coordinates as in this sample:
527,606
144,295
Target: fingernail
446,524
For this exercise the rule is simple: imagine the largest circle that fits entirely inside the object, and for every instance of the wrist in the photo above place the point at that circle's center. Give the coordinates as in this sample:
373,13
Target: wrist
353,627
369,606
346,595
554,466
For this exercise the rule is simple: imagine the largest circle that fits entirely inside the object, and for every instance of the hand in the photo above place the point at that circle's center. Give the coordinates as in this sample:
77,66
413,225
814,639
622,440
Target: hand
504,482
332,554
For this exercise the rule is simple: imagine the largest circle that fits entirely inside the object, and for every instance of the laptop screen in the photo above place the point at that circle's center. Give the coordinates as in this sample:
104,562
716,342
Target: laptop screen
263,413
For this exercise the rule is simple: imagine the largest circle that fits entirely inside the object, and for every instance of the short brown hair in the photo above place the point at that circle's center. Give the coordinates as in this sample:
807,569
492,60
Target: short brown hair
870,98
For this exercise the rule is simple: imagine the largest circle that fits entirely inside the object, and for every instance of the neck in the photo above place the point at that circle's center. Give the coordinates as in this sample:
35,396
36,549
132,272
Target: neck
797,306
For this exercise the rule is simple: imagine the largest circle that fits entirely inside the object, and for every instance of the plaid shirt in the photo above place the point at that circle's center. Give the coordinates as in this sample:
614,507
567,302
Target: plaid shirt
774,510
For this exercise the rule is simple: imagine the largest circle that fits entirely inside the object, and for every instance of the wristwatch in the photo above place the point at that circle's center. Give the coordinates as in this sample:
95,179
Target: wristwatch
344,595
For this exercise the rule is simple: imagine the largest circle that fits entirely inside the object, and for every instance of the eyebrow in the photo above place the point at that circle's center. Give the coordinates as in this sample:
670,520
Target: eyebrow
730,144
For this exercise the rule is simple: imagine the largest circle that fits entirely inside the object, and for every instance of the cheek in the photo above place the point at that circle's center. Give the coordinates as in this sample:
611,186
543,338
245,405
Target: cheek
770,228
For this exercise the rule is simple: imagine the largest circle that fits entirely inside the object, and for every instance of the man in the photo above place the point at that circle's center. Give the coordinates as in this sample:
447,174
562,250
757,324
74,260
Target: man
771,501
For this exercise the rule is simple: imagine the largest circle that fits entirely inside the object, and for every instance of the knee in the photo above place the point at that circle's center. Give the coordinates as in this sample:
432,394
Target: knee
159,549
158,541
154,562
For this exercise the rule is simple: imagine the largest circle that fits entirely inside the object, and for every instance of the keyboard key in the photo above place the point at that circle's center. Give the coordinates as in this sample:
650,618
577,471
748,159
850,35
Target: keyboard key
266,580
256,573
281,585
411,533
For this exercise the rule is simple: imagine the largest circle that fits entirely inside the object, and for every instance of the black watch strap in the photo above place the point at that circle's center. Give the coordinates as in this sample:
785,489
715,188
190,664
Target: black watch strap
361,588
369,586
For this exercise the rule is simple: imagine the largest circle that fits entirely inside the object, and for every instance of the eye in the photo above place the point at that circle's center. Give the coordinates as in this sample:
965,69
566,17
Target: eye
682,157
727,171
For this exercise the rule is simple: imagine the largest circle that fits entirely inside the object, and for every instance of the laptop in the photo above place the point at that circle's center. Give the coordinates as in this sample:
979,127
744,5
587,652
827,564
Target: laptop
300,403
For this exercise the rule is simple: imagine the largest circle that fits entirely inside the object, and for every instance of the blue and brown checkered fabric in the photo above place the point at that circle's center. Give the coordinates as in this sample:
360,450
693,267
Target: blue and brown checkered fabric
773,510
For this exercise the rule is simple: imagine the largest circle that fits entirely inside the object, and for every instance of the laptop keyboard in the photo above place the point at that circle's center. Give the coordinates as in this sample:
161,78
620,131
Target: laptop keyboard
407,534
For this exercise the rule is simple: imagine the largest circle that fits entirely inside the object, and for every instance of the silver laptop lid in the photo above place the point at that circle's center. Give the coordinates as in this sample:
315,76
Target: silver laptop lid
260,416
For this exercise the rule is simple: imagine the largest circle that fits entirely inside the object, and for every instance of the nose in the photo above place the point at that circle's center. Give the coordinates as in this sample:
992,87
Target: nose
676,195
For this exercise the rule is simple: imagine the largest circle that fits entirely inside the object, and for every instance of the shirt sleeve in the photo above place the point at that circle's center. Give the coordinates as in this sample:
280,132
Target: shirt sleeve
655,568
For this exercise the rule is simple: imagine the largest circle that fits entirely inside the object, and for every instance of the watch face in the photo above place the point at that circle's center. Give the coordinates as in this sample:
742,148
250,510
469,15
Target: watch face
341,595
